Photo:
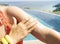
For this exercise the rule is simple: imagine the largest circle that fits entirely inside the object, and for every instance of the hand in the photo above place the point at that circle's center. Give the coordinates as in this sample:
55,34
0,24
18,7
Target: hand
18,29
21,30
40,31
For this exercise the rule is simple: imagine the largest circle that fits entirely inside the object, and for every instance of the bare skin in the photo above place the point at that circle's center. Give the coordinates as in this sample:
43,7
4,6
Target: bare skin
40,31
18,31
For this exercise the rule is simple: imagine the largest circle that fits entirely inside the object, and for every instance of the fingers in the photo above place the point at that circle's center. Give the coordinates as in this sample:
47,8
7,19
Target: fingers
18,13
30,24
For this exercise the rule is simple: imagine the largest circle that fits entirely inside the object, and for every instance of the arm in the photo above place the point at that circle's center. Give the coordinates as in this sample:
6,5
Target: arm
41,32
46,34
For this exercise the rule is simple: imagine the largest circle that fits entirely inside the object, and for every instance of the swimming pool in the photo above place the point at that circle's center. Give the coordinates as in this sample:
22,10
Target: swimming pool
48,19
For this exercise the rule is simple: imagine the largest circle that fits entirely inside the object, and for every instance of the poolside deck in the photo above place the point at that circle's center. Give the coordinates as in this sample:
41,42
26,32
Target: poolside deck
33,42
